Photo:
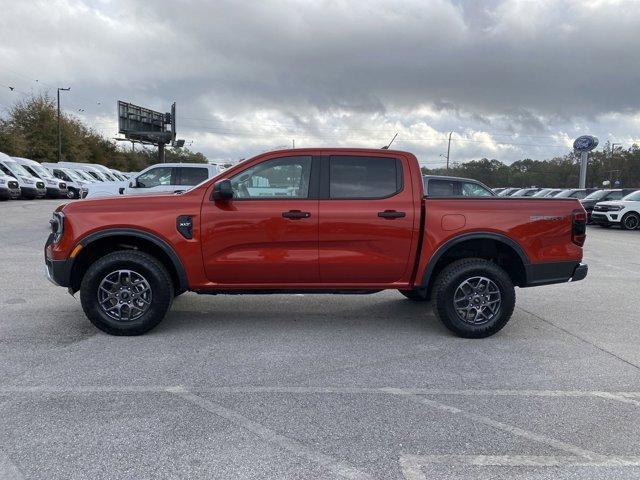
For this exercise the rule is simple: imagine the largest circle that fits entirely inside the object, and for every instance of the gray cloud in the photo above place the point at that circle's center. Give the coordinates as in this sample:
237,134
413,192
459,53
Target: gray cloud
250,75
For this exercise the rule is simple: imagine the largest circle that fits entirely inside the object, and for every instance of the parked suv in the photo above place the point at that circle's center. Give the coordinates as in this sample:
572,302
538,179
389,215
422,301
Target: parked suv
625,212
55,187
30,187
9,187
162,177
598,196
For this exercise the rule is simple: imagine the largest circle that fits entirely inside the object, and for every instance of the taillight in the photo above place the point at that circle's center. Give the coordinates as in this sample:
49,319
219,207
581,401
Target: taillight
579,227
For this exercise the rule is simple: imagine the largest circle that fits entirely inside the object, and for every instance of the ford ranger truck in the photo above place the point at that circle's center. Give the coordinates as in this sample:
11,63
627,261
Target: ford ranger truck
315,221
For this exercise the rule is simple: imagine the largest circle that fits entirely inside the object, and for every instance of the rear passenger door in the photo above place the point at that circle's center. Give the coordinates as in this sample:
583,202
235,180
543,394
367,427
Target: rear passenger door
187,177
366,219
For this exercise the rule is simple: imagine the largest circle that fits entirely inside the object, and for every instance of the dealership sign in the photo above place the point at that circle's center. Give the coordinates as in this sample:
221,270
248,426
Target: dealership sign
585,143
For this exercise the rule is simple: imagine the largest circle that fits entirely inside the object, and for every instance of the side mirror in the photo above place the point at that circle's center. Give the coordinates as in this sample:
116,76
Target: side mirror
133,183
222,191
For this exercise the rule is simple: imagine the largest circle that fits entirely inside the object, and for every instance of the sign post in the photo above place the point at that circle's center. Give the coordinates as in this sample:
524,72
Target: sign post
584,145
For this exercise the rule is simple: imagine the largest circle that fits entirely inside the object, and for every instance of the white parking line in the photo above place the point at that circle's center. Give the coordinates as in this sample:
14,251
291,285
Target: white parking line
505,427
622,397
335,466
412,465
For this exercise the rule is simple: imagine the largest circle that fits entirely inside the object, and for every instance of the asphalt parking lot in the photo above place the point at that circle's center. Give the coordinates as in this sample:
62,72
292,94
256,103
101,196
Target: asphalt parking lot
313,386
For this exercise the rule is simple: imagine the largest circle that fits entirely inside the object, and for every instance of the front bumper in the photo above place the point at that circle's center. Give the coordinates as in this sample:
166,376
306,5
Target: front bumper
33,192
605,218
56,192
57,272
555,272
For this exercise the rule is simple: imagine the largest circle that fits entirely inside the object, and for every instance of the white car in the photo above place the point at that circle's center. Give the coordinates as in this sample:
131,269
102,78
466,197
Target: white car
162,177
55,187
625,212
30,187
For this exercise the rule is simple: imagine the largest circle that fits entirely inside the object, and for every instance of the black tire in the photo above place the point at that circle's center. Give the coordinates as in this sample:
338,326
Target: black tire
452,277
416,295
143,264
631,221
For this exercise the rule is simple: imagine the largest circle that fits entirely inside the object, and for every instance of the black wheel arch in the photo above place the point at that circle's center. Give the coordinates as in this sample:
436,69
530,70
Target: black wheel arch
488,245
108,240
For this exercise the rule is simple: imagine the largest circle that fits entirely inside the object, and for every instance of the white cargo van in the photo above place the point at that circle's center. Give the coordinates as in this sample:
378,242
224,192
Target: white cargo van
30,187
55,187
9,187
76,184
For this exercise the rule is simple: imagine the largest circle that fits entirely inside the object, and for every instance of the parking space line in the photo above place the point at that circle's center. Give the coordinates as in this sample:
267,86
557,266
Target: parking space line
337,467
505,427
412,465
623,397
8,469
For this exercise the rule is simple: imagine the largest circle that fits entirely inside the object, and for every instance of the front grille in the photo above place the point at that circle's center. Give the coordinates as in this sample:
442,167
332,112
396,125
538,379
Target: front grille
13,184
606,208
39,185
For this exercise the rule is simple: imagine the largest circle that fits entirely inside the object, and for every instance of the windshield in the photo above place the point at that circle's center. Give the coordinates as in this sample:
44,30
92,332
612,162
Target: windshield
564,193
596,195
72,174
17,169
542,192
40,170
634,197
95,175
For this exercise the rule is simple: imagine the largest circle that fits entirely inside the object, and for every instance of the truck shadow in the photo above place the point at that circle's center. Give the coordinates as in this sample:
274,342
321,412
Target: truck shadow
277,312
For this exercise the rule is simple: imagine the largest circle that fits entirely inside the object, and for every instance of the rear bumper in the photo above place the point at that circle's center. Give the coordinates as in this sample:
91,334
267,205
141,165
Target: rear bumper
555,272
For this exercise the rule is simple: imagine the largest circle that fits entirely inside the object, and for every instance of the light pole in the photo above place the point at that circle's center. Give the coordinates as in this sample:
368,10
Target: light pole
59,131
449,149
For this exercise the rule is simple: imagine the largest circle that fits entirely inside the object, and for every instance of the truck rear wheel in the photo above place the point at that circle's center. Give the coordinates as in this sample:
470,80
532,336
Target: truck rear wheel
417,294
126,292
474,298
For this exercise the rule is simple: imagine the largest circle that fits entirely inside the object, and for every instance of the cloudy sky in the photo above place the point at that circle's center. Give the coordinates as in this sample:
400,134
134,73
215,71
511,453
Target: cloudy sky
511,79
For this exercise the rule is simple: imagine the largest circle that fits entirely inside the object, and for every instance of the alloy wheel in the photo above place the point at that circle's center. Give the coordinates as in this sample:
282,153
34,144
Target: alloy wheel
124,295
477,300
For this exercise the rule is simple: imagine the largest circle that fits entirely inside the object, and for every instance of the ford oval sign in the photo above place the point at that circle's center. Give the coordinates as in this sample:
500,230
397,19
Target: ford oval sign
585,143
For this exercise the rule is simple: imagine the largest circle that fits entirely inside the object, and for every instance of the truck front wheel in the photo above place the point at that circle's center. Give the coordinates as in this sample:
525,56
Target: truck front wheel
126,292
474,298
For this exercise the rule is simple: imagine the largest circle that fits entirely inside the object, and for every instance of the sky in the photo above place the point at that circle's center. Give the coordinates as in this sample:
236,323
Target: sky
511,79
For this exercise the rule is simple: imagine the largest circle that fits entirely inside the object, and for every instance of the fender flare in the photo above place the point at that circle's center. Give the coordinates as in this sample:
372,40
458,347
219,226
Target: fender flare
444,248
183,284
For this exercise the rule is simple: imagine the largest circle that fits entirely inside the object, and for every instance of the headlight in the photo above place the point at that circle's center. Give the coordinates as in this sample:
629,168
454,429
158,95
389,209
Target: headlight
28,181
57,226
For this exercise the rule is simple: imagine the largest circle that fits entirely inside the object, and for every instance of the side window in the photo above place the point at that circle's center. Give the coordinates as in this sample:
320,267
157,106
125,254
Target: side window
155,177
6,171
614,196
469,189
193,175
364,177
286,177
442,188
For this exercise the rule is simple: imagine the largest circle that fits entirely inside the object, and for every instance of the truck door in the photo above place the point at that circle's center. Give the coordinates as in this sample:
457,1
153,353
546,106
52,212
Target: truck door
366,219
268,233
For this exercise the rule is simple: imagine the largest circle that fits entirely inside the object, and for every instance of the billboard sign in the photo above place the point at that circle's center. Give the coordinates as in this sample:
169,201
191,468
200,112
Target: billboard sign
142,124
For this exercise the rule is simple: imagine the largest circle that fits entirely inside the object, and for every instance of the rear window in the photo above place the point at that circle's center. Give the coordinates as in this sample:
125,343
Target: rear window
442,188
193,176
364,177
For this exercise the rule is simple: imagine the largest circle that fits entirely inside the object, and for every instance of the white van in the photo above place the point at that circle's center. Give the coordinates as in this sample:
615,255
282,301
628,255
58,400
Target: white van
76,184
90,169
9,187
161,177
30,187
55,187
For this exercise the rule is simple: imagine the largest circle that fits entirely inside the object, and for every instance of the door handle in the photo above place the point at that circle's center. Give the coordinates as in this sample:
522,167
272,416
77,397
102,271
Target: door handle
296,214
391,214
